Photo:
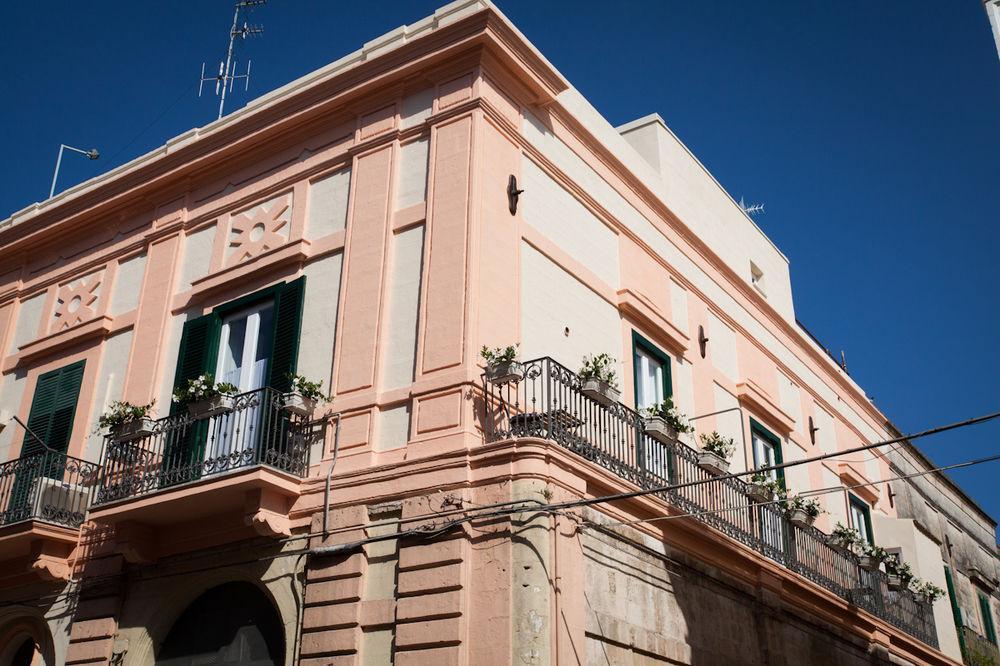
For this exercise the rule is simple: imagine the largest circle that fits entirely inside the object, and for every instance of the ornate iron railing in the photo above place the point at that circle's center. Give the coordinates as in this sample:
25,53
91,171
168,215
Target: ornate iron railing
978,650
182,448
47,486
548,403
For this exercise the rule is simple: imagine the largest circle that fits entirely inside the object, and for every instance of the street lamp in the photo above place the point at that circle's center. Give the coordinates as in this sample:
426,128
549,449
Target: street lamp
91,154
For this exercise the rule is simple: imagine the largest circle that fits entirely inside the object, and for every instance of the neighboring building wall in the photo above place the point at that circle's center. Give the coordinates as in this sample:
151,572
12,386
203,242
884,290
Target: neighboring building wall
992,8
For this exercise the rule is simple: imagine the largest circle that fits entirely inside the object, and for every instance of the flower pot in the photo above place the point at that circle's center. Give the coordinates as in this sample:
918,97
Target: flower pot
204,409
801,518
895,582
760,494
837,544
600,391
505,372
298,404
713,463
658,428
134,429
124,451
868,562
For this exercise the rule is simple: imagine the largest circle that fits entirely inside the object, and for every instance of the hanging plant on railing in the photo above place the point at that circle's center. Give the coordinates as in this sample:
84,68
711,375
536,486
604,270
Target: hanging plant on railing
716,450
843,538
303,395
124,421
871,556
763,489
803,511
599,380
502,366
664,422
899,574
927,590
204,398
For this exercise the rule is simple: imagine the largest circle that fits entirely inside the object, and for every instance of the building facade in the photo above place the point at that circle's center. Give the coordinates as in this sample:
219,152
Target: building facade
372,226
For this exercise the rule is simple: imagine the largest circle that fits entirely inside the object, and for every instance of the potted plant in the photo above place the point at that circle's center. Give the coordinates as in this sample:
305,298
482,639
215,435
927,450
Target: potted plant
872,556
715,453
204,398
125,421
927,590
762,488
803,511
303,395
502,366
843,538
899,574
599,381
664,422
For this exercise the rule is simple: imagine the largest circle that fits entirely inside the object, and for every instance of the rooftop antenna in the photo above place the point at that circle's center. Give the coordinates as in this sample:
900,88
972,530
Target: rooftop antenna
751,210
227,69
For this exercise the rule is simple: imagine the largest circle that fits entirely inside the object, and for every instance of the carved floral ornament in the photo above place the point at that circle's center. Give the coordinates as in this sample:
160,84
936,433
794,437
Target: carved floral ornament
76,302
259,229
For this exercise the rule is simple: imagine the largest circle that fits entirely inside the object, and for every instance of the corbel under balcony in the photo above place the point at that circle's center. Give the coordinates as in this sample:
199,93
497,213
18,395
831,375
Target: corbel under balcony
641,310
37,548
763,406
248,502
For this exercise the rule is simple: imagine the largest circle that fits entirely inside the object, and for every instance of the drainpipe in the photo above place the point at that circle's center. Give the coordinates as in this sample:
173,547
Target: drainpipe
743,434
329,476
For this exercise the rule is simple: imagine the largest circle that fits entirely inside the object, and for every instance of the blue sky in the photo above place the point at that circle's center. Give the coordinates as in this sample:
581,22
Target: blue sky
869,130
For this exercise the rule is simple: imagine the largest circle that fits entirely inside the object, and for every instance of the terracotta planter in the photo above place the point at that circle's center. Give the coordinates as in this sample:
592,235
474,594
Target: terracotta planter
658,428
801,518
298,404
205,409
504,373
713,463
134,429
600,392
760,494
869,563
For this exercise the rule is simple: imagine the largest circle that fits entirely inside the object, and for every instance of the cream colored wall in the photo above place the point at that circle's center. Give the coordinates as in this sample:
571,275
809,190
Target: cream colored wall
197,256
11,396
128,285
29,318
319,318
328,199
407,248
110,384
552,301
411,187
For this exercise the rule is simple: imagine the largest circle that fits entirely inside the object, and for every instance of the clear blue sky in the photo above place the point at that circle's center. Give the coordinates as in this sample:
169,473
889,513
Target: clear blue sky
870,131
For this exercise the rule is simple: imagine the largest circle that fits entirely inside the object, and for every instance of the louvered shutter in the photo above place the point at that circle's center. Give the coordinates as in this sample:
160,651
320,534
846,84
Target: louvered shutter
53,408
199,350
288,302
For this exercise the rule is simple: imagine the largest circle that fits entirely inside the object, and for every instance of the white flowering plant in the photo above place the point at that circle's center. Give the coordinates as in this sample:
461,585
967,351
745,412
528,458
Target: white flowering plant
810,505
203,387
718,444
308,389
499,355
668,411
600,368
121,412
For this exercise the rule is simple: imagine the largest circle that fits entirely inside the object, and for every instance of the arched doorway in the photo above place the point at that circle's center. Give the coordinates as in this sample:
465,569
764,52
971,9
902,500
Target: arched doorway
233,623
24,655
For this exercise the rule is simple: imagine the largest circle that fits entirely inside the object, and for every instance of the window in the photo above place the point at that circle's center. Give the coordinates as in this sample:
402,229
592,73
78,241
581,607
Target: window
987,617
757,278
861,518
245,347
652,373
766,450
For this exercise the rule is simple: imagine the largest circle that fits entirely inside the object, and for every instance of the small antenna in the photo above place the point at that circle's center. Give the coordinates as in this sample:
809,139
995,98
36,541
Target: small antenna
227,76
753,209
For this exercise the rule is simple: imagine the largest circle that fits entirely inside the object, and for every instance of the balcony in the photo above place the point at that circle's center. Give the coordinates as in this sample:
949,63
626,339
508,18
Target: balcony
184,469
43,501
549,404
977,650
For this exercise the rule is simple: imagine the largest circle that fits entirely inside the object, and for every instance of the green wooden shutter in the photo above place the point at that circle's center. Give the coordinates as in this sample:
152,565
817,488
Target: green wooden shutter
288,302
199,350
53,408
197,354
984,607
955,612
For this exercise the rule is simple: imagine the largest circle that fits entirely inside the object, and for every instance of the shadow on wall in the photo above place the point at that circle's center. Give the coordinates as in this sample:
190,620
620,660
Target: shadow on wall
647,607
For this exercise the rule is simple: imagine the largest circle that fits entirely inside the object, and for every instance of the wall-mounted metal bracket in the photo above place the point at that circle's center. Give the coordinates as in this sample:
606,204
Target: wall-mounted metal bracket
512,194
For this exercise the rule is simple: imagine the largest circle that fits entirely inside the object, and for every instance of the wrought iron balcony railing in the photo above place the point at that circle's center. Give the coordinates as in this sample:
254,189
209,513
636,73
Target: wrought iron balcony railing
256,431
48,486
548,403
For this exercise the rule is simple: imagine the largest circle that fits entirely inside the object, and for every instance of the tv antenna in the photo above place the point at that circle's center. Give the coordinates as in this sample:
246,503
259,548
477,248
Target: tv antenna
227,75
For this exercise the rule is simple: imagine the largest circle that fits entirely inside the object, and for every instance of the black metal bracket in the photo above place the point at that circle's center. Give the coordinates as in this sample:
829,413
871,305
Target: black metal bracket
702,340
512,194
812,430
